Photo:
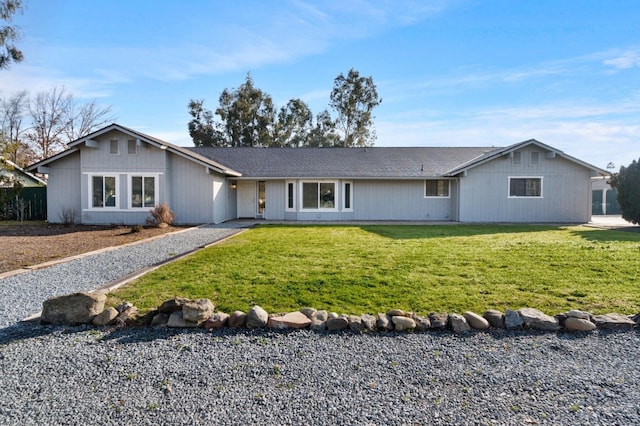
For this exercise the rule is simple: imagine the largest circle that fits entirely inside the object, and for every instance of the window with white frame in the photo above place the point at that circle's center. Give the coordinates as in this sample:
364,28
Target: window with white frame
347,196
104,191
436,188
143,191
318,195
525,187
516,157
113,146
534,157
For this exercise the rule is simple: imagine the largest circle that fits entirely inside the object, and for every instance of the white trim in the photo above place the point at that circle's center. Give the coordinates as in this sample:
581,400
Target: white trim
344,195
90,177
156,186
318,182
527,197
440,197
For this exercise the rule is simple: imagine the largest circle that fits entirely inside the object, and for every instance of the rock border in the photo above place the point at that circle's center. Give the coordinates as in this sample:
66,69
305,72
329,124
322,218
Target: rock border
88,308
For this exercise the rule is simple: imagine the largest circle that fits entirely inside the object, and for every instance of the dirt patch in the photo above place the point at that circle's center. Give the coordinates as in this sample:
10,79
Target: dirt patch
30,243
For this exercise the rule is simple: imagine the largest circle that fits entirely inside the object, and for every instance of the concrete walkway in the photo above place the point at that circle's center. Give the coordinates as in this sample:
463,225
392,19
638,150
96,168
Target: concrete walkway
611,222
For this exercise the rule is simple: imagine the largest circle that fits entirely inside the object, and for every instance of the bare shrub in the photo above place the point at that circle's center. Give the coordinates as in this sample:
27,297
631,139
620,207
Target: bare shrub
160,215
68,216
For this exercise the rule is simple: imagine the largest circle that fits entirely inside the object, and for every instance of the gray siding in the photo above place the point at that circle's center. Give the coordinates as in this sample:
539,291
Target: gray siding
63,188
566,191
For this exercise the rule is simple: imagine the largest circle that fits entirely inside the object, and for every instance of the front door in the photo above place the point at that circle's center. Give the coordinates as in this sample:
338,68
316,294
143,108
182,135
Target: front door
247,205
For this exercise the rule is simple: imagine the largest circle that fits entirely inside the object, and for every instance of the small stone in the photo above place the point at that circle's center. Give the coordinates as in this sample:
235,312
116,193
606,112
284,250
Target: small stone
295,320
197,310
395,312
458,323
383,322
339,323
126,317
124,306
309,312
537,320
355,323
495,318
578,314
614,321
439,320
105,317
578,324
257,317
369,322
476,321
237,319
77,308
512,320
422,322
172,305
318,325
402,323
141,320
160,320
216,321
333,315
177,321
321,315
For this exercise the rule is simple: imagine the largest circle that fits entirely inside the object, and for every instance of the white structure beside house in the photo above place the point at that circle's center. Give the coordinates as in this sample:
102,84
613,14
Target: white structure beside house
115,175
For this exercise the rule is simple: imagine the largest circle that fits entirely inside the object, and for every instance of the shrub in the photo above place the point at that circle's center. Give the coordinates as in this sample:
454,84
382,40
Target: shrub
161,214
627,182
135,229
68,216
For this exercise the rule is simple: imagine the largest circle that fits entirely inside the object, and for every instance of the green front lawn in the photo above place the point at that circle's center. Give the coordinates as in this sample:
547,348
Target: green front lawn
451,268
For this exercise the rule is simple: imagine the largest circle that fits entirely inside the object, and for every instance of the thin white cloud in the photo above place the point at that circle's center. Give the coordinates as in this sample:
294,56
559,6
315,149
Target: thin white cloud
625,60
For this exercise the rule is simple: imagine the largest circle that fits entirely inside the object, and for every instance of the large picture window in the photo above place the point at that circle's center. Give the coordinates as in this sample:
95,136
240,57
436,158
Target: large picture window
143,191
525,187
318,195
103,191
436,188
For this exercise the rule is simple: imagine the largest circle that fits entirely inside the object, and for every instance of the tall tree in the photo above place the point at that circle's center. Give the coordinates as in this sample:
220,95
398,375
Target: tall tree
353,98
12,113
9,33
202,128
84,118
323,134
627,183
294,125
248,115
49,115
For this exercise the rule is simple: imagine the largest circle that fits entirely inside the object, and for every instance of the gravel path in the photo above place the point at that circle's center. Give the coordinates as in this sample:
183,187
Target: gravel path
22,295
82,375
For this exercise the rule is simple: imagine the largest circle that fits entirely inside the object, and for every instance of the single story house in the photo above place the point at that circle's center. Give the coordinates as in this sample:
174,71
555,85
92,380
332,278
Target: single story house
116,174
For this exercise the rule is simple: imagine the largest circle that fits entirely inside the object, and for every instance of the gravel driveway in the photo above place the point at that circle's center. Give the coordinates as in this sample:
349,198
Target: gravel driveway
80,375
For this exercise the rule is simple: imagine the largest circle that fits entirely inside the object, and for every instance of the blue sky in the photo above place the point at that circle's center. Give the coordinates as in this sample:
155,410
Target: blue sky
450,72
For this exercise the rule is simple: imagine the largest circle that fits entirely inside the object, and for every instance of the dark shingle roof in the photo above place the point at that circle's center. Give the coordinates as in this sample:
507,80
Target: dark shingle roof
375,162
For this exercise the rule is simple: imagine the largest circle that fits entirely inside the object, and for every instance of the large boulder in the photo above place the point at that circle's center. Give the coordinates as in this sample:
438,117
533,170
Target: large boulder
512,320
290,320
402,323
537,320
216,321
578,324
257,317
495,318
383,322
198,310
237,319
355,323
476,321
614,321
339,323
172,305
105,317
77,308
439,320
458,323
176,320
369,322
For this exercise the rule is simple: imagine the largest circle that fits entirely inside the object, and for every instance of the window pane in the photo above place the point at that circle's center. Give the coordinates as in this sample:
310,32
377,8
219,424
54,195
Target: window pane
98,192
327,195
110,191
525,187
132,147
136,191
113,147
149,192
347,195
443,188
437,188
290,195
309,195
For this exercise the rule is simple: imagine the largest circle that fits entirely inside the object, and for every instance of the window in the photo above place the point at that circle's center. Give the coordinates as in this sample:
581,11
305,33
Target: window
525,187
436,188
517,156
143,191
318,195
113,146
132,147
291,194
534,158
103,191
348,196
